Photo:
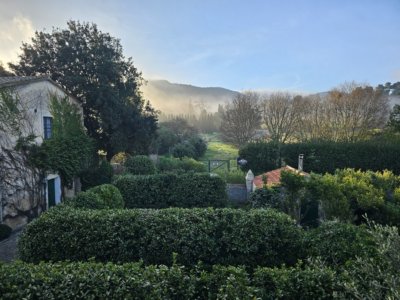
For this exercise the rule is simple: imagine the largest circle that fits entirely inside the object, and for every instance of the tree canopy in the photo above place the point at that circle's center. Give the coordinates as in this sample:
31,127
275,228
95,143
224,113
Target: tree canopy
91,66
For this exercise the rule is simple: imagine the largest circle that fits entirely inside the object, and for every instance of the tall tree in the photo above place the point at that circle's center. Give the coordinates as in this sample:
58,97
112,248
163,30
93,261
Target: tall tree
91,66
354,110
241,118
281,115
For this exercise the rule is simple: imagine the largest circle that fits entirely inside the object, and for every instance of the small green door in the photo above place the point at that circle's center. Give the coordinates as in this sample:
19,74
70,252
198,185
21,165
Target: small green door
51,192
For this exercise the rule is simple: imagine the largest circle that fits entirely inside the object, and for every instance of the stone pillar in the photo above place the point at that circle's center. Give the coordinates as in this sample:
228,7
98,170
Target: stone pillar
249,181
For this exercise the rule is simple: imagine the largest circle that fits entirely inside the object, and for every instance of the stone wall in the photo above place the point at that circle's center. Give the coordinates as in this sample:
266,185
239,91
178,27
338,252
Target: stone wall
21,193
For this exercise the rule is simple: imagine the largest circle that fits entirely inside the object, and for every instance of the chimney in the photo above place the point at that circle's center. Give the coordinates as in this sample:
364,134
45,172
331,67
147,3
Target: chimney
300,166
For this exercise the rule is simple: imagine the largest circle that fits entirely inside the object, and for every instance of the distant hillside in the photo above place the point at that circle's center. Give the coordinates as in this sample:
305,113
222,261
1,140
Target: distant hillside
173,98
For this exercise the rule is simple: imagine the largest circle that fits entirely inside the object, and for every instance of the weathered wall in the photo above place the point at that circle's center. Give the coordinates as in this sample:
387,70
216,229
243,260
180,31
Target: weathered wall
21,188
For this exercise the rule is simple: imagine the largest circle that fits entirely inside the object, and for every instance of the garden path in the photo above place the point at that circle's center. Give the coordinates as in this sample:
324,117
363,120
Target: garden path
8,247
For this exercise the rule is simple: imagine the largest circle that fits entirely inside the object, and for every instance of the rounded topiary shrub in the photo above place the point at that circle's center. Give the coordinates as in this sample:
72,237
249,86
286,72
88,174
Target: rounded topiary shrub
86,199
5,231
140,165
109,195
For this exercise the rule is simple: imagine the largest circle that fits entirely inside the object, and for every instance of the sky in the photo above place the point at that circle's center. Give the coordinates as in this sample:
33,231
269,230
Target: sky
293,45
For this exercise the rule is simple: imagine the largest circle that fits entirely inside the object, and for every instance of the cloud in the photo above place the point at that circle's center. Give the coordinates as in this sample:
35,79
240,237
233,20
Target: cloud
12,33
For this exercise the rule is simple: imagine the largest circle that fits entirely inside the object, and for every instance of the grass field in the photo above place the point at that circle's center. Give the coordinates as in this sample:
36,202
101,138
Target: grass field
216,149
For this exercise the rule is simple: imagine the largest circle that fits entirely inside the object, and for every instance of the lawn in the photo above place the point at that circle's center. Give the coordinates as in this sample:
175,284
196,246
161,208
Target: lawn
217,149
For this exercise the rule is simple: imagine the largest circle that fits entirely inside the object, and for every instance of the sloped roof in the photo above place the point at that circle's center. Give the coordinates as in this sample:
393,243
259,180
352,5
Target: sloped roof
10,81
18,80
274,176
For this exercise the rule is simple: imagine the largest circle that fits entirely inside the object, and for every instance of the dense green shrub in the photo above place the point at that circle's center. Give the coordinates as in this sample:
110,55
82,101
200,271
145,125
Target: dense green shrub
191,165
99,197
199,145
267,197
140,165
214,236
175,165
232,177
336,243
109,195
322,157
98,175
314,281
87,200
260,157
91,280
5,231
183,149
165,190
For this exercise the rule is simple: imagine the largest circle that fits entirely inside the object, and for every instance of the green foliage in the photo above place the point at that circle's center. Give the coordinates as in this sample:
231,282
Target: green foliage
90,65
88,199
69,150
322,157
67,156
140,165
104,196
220,236
261,157
174,165
232,177
337,243
183,149
180,139
199,145
166,139
267,197
67,121
314,281
216,149
350,194
109,195
96,175
165,190
90,280
5,231
394,119
377,277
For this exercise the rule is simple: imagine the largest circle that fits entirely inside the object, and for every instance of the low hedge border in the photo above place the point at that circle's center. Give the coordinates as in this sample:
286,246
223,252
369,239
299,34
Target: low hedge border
91,280
213,236
170,190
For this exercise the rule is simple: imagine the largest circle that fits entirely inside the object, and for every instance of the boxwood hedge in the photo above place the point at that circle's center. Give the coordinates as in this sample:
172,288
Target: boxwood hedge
170,190
213,236
90,280
322,157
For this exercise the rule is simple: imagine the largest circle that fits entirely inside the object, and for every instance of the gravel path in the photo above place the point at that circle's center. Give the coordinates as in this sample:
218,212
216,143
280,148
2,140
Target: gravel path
8,247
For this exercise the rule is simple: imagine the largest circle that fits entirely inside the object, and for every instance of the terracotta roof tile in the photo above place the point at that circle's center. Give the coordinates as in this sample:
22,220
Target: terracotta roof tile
274,176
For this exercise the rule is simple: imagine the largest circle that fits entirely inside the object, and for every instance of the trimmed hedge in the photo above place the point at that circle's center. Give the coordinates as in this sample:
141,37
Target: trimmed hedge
140,165
214,236
91,280
166,190
322,157
337,243
99,197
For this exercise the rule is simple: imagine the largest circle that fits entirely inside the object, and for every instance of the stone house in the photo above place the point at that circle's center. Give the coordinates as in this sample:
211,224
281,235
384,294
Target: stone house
24,193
